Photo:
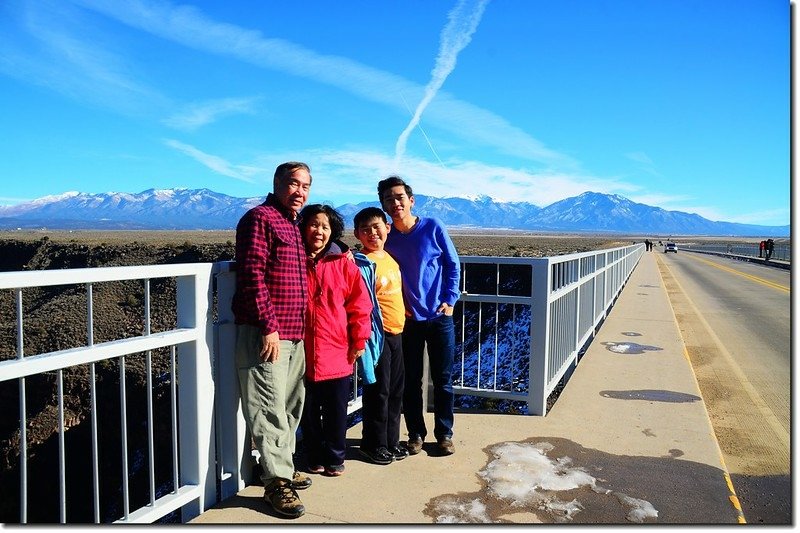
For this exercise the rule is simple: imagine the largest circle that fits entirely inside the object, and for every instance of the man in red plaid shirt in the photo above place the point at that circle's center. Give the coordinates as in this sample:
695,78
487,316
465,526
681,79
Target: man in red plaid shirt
269,306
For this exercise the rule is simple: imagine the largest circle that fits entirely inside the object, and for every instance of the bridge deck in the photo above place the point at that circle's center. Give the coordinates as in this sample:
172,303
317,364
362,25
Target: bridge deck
631,418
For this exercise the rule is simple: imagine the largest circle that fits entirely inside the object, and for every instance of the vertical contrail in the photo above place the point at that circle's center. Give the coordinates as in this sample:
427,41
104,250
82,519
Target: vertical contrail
462,22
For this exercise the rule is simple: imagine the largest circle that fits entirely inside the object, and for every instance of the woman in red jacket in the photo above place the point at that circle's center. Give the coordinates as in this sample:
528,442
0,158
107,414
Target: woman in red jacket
337,329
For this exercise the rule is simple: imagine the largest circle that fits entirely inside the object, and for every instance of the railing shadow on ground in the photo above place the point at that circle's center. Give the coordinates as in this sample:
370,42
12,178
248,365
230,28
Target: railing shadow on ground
522,324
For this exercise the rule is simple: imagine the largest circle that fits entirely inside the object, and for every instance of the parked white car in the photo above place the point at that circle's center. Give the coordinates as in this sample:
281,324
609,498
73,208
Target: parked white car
671,247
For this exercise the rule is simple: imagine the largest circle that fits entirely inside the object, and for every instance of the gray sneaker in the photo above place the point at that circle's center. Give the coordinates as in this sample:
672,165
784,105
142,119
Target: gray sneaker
283,498
445,446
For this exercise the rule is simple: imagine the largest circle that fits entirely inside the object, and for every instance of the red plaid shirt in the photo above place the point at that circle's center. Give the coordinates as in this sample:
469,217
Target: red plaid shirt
271,286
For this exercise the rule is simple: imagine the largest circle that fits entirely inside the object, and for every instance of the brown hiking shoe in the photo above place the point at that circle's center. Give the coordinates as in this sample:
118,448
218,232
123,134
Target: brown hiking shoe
414,445
300,481
283,498
445,446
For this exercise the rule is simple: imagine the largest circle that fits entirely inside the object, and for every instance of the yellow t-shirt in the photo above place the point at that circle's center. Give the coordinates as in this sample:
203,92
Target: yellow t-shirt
389,291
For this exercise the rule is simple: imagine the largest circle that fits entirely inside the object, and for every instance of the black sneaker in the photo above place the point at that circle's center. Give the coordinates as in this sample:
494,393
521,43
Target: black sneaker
379,456
398,452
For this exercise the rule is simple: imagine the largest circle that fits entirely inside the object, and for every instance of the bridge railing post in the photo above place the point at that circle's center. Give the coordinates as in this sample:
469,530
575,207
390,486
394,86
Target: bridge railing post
196,391
234,456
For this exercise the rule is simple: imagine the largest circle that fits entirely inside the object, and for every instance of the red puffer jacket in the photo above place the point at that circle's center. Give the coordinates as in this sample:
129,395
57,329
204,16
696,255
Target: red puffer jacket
338,316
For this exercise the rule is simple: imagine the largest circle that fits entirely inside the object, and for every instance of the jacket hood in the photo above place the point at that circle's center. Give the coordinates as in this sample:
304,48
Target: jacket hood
334,248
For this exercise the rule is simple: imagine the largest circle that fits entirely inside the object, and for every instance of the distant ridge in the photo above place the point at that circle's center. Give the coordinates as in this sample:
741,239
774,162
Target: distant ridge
172,209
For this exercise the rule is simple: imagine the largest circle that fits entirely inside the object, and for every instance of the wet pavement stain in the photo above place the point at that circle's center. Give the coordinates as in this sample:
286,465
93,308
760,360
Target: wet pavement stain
631,334
586,486
651,395
629,348
648,432
650,286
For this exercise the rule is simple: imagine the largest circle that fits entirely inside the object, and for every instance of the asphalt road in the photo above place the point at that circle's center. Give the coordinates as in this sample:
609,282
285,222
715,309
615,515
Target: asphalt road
734,317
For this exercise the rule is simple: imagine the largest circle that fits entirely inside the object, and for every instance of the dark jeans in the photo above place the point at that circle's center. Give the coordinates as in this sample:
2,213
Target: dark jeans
439,335
383,400
324,421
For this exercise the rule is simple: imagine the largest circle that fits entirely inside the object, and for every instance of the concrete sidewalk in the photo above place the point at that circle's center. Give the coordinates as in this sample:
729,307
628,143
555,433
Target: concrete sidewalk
630,421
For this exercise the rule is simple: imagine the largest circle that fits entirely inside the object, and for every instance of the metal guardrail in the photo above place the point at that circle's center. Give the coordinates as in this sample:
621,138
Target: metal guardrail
781,252
537,322
192,403
523,321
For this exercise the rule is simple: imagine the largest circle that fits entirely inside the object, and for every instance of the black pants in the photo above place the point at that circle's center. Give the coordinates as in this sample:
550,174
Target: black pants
324,421
438,335
383,400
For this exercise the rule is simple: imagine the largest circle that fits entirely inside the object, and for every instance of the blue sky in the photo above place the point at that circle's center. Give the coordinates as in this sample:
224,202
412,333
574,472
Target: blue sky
680,104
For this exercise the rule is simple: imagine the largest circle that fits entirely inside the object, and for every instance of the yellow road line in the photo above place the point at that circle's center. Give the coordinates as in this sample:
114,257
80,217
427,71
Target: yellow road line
742,274
732,497
772,420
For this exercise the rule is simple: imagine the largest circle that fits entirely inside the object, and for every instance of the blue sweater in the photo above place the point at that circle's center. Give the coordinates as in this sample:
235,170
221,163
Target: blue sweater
429,264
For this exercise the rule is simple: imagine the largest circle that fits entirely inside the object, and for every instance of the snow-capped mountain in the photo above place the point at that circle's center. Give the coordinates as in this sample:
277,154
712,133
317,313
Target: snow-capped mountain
206,209
150,209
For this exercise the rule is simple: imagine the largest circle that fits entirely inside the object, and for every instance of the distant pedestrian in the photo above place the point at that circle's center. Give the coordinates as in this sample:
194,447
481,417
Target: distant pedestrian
769,247
761,247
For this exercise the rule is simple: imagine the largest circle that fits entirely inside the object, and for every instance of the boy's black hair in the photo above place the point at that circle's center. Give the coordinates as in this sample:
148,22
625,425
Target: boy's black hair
392,181
368,213
335,219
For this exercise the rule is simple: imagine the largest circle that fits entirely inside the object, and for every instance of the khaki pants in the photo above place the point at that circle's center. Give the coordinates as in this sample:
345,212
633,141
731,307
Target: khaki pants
272,399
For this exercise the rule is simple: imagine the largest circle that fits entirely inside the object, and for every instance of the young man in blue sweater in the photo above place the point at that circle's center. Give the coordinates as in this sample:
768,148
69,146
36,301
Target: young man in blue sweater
431,270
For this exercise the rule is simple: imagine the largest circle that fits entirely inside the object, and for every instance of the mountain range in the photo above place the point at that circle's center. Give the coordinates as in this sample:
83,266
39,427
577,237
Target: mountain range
172,209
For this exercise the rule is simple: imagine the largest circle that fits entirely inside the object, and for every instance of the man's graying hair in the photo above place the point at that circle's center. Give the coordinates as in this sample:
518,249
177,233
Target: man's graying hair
285,171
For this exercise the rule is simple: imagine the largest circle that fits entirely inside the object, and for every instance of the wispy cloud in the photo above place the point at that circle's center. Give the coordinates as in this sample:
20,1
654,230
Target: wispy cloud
200,114
758,217
8,201
216,163
462,22
189,26
353,175
639,157
45,46
644,162
342,176
689,204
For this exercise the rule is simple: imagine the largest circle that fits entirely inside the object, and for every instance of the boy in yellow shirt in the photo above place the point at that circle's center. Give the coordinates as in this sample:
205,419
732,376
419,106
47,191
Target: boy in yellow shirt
383,390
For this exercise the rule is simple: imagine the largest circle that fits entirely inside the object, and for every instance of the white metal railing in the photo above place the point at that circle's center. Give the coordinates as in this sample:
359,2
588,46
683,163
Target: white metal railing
537,327
551,311
192,403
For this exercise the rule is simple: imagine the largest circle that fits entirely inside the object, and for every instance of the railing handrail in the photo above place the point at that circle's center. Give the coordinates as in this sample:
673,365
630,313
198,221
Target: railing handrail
77,276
